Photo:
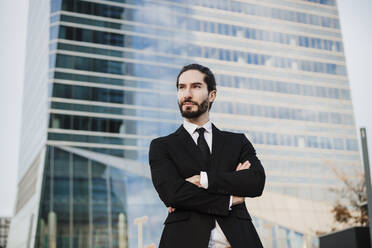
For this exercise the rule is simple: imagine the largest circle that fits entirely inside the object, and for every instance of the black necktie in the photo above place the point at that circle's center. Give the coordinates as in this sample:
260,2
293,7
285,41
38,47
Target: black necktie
204,148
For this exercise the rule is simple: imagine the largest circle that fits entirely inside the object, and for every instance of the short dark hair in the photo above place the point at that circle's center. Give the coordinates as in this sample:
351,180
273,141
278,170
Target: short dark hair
208,79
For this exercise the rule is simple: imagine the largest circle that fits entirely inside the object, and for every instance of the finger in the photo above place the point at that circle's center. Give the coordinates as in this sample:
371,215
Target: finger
242,166
245,166
239,166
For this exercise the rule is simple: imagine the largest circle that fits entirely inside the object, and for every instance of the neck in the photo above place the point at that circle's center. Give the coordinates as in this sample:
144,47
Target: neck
201,120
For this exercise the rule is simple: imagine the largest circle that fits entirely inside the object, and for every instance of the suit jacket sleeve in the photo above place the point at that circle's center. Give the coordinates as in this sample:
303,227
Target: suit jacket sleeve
244,183
175,191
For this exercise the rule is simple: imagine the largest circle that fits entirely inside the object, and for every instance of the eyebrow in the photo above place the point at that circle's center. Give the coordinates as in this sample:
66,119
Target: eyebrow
191,83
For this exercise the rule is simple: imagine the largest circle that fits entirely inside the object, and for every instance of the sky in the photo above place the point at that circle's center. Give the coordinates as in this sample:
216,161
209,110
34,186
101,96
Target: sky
357,36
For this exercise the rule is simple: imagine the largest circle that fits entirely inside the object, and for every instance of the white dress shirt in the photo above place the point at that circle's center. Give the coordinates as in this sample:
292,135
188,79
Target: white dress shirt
217,238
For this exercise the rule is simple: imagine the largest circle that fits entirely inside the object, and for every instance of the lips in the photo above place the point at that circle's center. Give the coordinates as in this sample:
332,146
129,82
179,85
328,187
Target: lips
188,103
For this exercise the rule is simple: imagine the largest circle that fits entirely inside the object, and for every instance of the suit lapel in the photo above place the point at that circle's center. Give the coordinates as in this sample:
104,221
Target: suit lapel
218,141
188,143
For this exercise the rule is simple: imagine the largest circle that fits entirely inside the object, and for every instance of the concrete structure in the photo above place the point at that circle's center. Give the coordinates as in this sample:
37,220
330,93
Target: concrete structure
100,84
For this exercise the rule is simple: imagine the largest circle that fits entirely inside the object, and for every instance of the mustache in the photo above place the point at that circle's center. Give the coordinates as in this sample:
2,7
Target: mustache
189,102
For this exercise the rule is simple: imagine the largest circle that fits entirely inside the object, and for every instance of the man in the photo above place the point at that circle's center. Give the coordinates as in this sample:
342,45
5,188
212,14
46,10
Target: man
202,174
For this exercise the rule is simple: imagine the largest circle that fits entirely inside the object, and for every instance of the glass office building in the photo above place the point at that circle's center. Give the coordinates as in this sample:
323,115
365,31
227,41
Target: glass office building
100,85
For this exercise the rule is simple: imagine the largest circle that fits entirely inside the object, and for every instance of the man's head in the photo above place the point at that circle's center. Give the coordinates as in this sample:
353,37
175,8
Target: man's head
196,90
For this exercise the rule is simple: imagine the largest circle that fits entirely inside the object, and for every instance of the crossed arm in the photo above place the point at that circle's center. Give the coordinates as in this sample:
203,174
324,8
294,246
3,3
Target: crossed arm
176,192
196,179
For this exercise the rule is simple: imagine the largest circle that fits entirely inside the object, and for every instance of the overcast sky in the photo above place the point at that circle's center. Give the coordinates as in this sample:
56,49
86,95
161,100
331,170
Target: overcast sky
357,34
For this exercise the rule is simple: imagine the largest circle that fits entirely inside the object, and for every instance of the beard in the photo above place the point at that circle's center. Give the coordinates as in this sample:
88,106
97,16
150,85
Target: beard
188,113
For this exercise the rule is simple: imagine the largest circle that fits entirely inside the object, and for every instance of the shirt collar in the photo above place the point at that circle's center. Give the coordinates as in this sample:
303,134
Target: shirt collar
191,127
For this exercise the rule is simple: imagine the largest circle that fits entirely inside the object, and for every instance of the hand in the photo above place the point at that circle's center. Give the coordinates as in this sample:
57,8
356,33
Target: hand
171,210
243,166
195,180
237,200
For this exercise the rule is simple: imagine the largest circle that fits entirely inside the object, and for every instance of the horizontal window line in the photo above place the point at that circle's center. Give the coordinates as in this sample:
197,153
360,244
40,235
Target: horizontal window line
240,99
296,184
226,13
186,57
137,136
105,75
94,145
273,4
262,67
217,35
105,104
268,19
124,49
217,71
222,115
317,4
268,94
265,4
99,134
124,136
336,161
113,87
213,115
109,116
214,45
299,175
306,149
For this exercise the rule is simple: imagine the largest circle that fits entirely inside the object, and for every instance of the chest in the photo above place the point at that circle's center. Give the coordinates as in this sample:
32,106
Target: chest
186,157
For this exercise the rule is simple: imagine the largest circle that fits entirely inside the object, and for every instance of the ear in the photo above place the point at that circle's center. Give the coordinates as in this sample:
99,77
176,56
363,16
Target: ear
212,95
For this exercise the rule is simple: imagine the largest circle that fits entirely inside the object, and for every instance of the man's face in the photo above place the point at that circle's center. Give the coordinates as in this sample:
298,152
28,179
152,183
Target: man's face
193,96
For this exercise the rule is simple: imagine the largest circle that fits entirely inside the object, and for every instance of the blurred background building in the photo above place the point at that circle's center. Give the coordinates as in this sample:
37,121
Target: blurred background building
100,85
4,230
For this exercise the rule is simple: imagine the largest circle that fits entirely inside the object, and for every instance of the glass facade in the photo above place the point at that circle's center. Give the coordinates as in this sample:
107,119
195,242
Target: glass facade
86,203
281,78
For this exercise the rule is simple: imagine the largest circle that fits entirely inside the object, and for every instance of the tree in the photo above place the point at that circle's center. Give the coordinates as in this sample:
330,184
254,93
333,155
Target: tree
350,209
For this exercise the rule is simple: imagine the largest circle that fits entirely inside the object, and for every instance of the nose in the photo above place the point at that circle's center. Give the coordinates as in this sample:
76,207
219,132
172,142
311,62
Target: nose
187,93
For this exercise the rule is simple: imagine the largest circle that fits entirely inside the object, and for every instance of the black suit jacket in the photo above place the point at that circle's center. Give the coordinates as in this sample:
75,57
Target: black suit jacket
175,157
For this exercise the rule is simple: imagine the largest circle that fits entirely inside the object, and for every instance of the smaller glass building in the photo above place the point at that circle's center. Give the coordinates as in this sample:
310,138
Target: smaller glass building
84,203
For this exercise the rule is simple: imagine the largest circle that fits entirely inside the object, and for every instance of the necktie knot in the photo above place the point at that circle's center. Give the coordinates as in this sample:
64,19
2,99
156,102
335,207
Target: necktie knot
200,130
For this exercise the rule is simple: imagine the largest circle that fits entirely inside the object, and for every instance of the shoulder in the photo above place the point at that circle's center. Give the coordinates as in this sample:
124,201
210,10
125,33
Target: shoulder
237,138
233,135
161,139
164,139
